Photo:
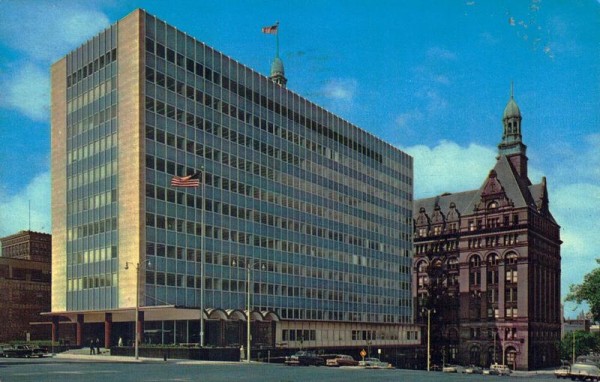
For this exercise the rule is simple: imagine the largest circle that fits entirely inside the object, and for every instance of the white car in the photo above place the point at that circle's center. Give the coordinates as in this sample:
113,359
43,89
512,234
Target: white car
499,369
374,363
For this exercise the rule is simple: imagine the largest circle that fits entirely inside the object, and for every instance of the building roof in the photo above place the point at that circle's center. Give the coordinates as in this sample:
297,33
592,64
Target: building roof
518,191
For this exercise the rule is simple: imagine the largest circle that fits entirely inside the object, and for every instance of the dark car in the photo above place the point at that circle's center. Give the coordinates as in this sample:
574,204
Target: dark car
37,351
304,358
18,351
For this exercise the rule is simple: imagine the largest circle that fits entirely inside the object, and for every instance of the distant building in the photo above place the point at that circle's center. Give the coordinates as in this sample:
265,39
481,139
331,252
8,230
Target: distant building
25,284
298,208
487,265
574,325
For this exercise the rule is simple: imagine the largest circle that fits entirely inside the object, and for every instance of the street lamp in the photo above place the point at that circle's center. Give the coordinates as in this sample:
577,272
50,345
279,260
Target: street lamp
429,311
249,265
495,335
137,305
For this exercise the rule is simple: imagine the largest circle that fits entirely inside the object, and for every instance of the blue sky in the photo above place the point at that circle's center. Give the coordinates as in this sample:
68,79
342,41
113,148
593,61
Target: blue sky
430,77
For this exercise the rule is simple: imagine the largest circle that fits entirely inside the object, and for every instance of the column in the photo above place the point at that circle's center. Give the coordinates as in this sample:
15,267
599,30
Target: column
140,327
79,330
55,333
107,329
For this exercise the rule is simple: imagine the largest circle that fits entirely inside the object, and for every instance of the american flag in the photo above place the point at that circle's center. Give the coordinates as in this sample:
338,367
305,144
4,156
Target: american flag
186,181
270,30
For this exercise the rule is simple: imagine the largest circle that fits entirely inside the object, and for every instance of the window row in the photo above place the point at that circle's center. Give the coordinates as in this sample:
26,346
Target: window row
92,202
227,109
92,255
92,175
91,67
245,92
94,125
90,229
92,95
90,149
226,234
89,282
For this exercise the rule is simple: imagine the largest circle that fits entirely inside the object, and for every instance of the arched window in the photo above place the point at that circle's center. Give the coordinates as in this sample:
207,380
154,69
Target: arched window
474,355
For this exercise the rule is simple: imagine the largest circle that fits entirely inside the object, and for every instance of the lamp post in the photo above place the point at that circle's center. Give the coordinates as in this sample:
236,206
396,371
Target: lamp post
137,306
428,310
248,281
495,335
249,264
573,341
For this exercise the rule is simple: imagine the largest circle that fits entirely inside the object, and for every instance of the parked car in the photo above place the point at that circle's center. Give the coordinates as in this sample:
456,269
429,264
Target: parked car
18,351
449,369
37,351
562,372
304,358
496,369
473,370
341,360
584,371
374,363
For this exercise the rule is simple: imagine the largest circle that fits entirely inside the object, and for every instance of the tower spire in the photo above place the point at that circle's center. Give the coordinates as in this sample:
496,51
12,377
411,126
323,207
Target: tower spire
512,145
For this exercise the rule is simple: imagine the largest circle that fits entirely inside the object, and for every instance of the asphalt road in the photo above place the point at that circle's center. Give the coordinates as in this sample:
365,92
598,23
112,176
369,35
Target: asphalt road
67,370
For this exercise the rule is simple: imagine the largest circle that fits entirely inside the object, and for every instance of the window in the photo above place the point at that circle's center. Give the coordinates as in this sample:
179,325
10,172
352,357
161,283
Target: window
471,225
511,276
474,272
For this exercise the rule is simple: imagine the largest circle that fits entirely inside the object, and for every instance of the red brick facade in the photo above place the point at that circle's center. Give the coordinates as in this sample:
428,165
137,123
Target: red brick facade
25,284
487,267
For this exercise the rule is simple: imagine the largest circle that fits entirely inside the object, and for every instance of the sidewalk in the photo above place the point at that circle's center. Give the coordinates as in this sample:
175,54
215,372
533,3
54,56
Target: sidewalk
104,356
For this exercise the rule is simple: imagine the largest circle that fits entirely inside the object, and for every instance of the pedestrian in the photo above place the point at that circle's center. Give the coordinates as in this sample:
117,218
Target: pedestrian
97,346
92,350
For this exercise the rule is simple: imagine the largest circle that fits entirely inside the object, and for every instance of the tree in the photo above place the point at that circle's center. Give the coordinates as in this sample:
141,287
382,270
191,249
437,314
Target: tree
588,291
585,343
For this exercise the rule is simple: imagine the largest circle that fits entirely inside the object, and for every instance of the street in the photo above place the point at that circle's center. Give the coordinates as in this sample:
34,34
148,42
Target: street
67,370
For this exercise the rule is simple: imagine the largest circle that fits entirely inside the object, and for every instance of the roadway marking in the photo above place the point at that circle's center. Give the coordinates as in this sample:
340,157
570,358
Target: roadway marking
67,372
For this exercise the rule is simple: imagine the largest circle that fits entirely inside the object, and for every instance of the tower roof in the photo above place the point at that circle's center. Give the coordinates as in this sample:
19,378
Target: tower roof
277,67
512,109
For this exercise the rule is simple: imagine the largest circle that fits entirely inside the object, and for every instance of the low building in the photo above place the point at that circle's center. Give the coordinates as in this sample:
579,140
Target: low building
25,283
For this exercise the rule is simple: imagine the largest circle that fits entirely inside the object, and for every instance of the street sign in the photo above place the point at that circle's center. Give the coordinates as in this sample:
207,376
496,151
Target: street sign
363,353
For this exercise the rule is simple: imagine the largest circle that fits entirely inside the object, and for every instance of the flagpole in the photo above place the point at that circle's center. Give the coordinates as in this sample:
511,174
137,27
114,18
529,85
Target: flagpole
202,257
277,40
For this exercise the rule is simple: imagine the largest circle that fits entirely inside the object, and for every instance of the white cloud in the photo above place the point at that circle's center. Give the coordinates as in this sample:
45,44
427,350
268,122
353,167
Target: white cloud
27,89
46,30
14,209
575,207
42,32
342,89
449,167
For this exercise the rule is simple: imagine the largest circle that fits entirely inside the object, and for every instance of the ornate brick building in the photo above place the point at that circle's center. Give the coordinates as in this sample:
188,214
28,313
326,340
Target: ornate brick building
487,266
25,285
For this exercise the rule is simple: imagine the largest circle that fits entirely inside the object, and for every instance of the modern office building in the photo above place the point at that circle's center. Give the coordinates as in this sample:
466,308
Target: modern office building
313,213
487,266
25,285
